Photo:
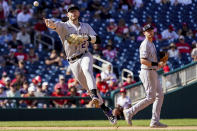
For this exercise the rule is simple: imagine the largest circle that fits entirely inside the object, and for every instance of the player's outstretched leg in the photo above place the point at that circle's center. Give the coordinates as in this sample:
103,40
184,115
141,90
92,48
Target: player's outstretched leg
97,100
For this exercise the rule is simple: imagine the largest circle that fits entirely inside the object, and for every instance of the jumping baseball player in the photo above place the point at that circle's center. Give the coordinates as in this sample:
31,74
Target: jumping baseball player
123,102
75,37
149,78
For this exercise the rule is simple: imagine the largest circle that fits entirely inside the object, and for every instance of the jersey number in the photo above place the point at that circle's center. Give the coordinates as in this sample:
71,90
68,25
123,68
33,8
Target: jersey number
83,45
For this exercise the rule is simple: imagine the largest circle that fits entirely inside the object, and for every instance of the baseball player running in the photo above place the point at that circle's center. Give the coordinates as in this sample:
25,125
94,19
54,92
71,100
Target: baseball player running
75,37
149,78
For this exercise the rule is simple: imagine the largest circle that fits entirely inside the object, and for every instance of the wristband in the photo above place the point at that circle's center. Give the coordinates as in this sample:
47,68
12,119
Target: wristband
154,63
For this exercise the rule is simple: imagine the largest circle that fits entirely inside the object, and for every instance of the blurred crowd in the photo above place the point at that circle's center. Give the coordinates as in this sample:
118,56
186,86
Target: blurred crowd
20,22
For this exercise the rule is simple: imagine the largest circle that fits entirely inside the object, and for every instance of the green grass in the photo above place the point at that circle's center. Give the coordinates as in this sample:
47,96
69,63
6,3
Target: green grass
94,123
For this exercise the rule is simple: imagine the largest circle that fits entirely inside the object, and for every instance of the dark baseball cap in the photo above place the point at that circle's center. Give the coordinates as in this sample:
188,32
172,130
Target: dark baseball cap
147,27
72,7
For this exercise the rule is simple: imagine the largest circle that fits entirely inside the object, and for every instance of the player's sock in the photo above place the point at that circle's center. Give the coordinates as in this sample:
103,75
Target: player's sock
104,108
94,93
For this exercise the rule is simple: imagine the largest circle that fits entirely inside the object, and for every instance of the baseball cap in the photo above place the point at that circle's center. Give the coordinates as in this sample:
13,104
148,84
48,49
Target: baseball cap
147,27
122,90
134,20
170,27
45,83
98,75
7,79
181,37
1,86
31,88
111,20
72,7
61,77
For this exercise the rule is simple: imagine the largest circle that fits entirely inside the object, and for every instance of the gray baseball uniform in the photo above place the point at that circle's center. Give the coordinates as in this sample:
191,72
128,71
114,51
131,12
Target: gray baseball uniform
149,78
82,68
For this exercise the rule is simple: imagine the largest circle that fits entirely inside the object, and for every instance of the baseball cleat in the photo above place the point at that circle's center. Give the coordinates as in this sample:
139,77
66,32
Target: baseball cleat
158,125
112,119
95,101
127,116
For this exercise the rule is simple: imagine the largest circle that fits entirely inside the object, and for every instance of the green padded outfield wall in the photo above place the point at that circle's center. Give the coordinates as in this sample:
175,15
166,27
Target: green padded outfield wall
177,104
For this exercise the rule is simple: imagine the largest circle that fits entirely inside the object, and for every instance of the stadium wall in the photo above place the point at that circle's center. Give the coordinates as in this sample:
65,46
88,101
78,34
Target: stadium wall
179,103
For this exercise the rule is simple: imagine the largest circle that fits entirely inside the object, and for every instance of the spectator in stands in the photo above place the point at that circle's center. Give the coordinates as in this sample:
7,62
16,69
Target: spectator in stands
61,84
97,51
122,31
182,46
110,53
169,34
7,83
33,57
141,37
18,80
135,27
101,85
5,37
40,93
37,80
13,92
113,84
40,26
105,13
185,31
129,80
24,89
112,27
183,2
194,52
23,17
10,59
72,92
123,102
107,75
3,12
173,52
58,93
21,67
138,3
23,36
166,68
45,88
2,94
64,61
31,93
53,59
3,78
125,5
162,1
20,54
94,5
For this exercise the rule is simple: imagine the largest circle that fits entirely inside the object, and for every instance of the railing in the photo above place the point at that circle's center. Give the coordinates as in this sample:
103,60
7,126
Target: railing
104,62
14,102
123,74
38,40
170,81
179,77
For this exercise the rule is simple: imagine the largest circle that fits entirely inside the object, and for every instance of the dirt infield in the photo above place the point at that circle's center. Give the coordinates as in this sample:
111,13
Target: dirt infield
101,128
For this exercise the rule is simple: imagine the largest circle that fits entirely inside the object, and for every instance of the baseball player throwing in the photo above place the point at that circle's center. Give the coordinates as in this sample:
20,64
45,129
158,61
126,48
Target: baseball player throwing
75,37
149,78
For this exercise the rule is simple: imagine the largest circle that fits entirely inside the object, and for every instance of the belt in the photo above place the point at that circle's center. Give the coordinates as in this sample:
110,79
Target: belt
77,57
148,69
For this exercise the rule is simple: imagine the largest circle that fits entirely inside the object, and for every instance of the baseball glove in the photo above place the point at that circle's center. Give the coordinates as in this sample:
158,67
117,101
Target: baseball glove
76,39
164,59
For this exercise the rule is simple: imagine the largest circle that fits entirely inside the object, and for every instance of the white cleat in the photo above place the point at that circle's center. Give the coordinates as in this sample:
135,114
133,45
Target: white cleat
127,116
158,125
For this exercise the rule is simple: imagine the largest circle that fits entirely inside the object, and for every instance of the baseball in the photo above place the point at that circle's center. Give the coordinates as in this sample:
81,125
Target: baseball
36,3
